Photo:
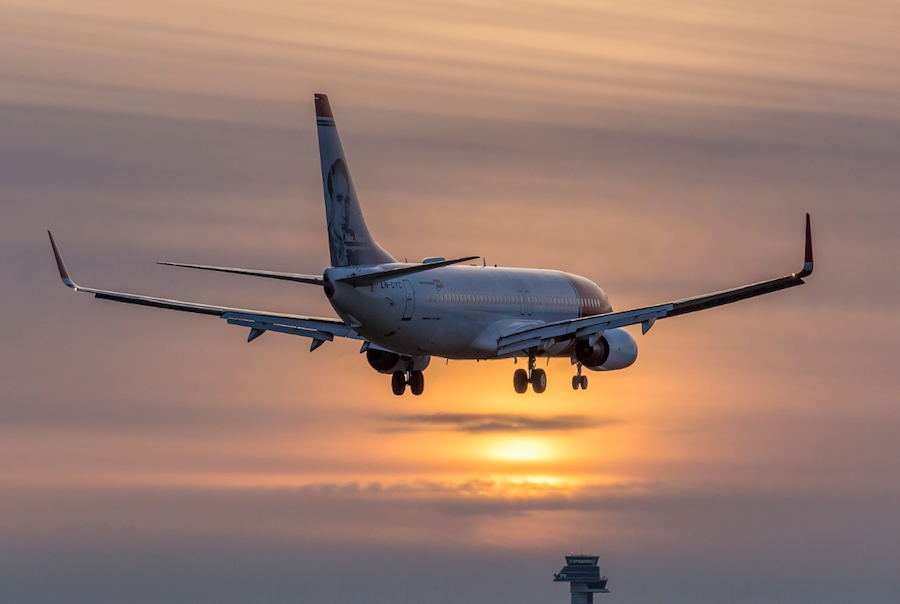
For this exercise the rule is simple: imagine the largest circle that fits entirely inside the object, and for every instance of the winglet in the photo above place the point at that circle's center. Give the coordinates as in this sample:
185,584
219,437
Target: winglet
808,259
63,272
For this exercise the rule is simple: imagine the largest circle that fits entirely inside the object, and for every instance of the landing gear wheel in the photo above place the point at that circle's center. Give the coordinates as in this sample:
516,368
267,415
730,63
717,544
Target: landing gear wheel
579,380
538,381
520,381
417,383
398,383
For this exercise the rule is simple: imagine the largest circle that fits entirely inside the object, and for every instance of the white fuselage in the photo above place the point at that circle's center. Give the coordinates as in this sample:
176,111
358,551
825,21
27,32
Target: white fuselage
459,312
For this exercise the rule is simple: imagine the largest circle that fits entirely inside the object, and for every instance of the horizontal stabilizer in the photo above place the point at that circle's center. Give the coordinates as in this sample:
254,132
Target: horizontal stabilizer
403,271
311,279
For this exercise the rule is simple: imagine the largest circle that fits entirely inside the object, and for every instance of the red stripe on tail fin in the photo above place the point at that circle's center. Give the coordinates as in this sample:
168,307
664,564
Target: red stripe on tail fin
323,109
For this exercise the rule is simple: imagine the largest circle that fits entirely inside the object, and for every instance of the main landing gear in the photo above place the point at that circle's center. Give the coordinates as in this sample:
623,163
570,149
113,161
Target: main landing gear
536,377
415,379
579,381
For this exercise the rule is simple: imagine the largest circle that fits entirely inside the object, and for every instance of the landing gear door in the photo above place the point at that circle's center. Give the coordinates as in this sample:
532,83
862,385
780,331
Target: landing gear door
410,300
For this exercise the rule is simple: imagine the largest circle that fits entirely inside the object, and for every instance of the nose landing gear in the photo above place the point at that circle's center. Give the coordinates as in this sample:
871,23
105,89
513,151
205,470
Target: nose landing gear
536,377
415,379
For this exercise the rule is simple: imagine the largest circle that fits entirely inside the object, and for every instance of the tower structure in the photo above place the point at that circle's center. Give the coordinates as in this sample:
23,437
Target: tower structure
583,576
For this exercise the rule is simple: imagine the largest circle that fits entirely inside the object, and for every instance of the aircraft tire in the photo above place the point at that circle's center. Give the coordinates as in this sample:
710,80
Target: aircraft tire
576,382
398,383
539,381
584,382
520,381
417,383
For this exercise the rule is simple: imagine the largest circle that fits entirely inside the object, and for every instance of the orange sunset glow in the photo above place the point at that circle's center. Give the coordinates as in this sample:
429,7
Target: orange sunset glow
659,149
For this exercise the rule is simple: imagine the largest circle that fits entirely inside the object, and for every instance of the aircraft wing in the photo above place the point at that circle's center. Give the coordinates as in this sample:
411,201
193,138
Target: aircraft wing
320,330
542,336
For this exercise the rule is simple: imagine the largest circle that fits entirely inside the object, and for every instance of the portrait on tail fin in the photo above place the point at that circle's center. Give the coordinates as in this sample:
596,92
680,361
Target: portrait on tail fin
344,241
348,236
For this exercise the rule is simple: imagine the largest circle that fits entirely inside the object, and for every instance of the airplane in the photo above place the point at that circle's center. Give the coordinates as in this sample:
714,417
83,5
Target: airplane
406,313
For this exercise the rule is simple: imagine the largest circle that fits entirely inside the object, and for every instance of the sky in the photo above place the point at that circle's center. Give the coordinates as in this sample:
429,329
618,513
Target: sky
660,149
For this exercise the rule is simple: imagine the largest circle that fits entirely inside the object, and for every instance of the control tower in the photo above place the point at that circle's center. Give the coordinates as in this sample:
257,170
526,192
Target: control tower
583,576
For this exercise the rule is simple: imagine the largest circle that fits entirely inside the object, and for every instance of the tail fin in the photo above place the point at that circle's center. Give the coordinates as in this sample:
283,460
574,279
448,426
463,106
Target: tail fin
348,236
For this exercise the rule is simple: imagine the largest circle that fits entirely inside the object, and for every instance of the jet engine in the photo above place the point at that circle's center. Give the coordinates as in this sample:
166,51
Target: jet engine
384,361
616,349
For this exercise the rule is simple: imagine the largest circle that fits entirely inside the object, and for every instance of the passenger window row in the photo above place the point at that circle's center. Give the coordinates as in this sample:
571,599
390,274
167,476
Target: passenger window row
474,299
500,299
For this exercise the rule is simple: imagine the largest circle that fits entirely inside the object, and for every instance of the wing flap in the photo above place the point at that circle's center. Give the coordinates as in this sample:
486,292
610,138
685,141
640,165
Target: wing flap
577,328
202,309
311,327
257,329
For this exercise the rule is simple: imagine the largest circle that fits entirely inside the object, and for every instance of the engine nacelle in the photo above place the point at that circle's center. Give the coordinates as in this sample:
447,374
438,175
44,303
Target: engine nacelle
592,355
383,361
616,349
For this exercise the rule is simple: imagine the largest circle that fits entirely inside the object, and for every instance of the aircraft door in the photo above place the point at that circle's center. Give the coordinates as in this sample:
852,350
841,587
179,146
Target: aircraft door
410,300
521,302
528,306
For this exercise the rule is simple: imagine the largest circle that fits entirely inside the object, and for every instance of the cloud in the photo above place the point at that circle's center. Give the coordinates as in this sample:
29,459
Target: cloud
492,423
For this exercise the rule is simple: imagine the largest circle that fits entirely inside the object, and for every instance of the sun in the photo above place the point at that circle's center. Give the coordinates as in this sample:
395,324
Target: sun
521,449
